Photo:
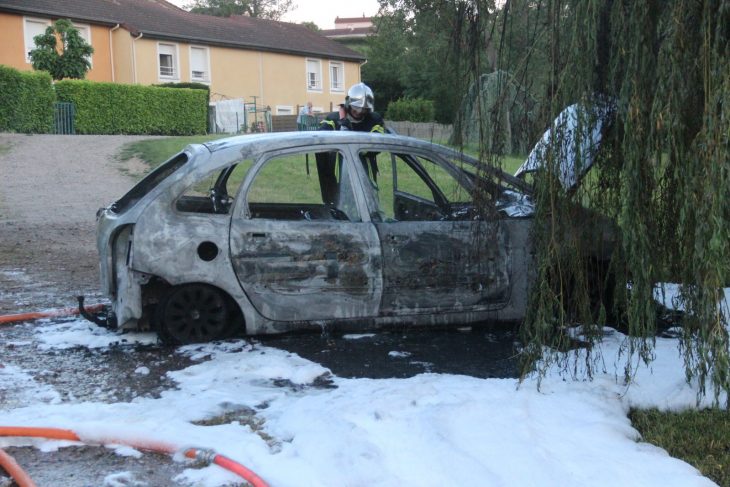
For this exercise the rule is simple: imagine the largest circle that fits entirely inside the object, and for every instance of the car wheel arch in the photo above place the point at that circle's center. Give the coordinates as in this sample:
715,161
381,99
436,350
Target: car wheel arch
160,295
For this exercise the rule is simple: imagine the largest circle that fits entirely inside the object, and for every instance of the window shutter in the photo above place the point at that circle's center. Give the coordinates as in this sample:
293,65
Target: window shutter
199,63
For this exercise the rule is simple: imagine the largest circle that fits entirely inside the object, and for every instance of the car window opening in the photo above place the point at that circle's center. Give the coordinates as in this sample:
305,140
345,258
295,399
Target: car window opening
279,192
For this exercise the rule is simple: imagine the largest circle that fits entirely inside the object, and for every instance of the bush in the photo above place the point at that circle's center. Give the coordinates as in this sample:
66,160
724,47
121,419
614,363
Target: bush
192,86
109,108
26,101
411,110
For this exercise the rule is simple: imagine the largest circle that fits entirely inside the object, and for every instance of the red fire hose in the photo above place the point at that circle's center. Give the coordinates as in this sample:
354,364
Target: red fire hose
4,319
23,480
9,464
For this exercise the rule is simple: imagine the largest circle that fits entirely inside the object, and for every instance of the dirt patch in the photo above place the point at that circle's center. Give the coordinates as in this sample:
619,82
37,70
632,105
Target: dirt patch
50,189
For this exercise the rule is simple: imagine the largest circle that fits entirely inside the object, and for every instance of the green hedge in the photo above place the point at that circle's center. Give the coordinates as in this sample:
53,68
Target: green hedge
185,84
26,101
411,110
109,108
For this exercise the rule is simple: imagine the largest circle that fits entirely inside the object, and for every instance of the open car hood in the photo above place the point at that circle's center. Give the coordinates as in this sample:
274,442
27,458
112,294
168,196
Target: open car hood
572,141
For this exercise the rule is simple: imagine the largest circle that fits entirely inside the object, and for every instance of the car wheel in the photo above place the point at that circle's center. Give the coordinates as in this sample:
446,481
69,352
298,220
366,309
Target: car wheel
193,313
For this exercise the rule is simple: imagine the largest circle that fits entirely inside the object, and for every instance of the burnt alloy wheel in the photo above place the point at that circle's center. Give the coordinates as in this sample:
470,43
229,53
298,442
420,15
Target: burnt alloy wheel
194,313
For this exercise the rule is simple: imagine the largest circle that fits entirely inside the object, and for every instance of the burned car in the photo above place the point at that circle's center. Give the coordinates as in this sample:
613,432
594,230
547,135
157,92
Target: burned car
270,233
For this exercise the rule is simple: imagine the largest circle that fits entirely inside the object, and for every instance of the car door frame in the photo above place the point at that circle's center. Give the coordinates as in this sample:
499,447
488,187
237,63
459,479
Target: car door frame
324,300
405,284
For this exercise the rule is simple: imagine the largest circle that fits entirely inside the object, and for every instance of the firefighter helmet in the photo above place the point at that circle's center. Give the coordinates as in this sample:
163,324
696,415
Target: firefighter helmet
360,96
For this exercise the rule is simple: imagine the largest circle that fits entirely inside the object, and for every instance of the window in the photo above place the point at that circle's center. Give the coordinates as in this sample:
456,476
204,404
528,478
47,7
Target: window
216,192
314,75
32,28
412,188
167,54
337,77
85,33
199,65
290,187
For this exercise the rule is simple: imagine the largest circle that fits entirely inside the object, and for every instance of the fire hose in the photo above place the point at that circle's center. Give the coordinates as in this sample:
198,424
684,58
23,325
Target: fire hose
54,313
204,455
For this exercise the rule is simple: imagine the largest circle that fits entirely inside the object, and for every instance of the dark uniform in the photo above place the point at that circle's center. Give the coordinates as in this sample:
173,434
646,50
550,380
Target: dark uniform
371,122
326,163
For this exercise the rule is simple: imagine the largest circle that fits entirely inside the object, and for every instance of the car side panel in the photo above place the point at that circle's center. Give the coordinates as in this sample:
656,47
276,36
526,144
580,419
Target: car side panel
444,266
295,271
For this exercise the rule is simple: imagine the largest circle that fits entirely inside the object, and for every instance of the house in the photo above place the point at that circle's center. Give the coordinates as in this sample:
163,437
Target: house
351,32
277,64
350,28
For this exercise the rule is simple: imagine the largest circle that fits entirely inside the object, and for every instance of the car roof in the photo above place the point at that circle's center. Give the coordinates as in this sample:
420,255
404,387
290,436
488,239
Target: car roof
286,140
296,139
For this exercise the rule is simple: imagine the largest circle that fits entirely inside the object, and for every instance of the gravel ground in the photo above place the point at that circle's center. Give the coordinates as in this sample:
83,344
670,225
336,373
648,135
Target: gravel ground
50,189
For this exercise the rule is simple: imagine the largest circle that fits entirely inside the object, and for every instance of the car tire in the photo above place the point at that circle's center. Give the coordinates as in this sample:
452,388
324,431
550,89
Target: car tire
194,313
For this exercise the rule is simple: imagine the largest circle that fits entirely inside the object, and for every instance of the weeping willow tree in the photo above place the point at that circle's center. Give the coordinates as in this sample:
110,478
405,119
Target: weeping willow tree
662,176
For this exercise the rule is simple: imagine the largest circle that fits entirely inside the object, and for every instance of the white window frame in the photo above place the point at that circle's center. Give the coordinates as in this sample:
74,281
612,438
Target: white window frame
175,76
85,32
317,85
284,110
341,67
28,43
205,79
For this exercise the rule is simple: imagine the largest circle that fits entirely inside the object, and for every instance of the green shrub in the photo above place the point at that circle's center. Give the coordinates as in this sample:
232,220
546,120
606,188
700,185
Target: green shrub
411,110
26,101
109,108
192,86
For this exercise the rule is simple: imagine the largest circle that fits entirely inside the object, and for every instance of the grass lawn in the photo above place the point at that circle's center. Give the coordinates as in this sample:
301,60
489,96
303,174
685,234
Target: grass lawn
700,438
156,151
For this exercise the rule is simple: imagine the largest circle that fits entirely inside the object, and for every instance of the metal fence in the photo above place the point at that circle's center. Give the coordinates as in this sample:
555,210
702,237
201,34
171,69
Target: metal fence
63,118
310,122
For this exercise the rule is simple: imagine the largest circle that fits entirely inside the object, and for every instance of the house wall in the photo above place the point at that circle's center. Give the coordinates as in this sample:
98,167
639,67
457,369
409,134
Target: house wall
353,23
12,42
12,47
122,54
101,63
274,79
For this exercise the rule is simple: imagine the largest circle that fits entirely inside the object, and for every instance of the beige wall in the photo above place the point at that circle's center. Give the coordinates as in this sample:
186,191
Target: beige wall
274,79
12,42
101,63
122,56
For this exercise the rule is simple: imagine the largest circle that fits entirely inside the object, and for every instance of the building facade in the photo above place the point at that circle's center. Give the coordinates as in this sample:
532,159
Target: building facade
275,64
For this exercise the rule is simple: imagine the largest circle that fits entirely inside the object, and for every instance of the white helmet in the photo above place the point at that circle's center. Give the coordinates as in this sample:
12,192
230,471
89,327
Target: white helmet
360,96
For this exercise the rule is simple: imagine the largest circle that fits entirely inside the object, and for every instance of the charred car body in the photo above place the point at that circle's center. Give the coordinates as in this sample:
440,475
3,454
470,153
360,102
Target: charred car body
243,235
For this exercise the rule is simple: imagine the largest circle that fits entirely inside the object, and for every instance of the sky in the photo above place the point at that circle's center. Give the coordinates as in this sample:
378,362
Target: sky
427,430
321,12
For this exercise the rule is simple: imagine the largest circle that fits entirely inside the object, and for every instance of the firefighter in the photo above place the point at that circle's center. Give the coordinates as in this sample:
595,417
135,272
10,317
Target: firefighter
357,114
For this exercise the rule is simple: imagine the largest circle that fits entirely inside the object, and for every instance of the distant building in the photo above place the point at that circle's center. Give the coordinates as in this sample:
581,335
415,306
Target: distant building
351,31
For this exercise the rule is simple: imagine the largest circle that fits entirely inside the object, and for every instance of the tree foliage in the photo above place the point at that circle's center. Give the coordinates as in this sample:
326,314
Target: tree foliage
263,9
665,179
662,178
382,72
62,51
417,52
311,26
